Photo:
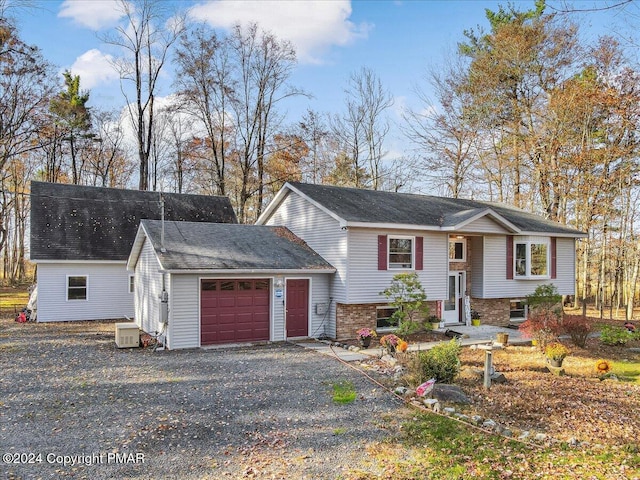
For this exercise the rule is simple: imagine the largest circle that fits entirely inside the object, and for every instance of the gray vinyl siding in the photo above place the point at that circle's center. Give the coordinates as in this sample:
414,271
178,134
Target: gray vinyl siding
477,267
277,306
322,323
319,293
496,284
148,287
324,235
184,312
484,225
108,294
366,281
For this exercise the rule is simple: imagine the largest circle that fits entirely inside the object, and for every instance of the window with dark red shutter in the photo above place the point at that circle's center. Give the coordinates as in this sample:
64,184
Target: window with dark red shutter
419,253
554,264
382,252
509,257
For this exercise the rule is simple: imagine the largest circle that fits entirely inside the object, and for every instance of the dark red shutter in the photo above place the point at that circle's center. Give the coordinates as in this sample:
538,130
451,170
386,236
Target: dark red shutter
382,252
554,263
509,257
419,253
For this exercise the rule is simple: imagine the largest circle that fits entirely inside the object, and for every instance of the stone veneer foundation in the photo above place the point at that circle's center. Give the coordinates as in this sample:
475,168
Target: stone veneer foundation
493,311
351,317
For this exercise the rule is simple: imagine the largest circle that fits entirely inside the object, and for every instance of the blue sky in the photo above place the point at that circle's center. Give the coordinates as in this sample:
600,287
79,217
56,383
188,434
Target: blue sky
399,40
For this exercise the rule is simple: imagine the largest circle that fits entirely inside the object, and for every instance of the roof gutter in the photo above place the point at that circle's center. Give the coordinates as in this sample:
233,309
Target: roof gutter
248,271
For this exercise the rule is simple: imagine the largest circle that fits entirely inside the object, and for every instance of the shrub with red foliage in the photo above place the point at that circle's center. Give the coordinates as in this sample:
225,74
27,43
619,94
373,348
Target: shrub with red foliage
543,325
578,328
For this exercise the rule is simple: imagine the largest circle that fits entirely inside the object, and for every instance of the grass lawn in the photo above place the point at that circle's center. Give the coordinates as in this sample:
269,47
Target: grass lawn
435,447
590,422
628,371
13,296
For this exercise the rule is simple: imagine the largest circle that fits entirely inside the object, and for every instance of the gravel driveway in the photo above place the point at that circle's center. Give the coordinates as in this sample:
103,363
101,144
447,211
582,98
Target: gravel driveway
68,395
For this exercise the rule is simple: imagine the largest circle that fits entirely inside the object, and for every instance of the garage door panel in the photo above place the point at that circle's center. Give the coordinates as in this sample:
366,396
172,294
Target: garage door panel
234,311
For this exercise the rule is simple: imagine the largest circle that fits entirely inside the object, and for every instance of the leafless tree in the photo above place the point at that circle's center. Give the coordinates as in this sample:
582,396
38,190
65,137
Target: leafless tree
146,38
206,89
362,128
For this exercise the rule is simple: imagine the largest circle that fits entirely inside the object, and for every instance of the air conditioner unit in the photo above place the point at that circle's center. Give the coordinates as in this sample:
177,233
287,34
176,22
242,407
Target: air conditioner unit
127,335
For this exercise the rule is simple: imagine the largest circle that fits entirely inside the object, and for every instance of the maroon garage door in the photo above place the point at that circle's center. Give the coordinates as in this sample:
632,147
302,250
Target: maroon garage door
233,311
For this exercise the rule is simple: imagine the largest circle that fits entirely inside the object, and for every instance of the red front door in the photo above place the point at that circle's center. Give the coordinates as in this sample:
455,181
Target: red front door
297,308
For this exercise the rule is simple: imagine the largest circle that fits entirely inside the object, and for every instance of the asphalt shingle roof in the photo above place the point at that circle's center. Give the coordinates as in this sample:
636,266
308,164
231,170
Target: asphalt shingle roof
73,222
219,246
380,207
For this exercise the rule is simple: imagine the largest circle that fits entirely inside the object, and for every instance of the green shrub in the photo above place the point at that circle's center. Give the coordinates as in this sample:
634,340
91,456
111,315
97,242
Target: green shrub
545,297
613,335
410,300
442,362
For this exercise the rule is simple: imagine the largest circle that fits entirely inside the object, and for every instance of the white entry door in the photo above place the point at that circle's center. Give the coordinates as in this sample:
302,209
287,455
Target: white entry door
453,308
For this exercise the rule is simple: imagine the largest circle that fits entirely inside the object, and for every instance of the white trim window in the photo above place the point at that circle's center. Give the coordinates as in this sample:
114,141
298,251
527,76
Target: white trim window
400,253
77,287
531,259
518,310
457,249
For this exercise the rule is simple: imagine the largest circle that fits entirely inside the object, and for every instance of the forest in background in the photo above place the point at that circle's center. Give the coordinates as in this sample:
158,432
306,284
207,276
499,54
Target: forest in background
524,112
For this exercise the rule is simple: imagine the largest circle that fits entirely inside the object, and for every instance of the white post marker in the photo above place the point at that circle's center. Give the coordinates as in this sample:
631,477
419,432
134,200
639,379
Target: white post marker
488,362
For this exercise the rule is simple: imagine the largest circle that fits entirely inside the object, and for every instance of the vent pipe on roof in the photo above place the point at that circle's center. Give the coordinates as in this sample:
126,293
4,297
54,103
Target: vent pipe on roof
162,249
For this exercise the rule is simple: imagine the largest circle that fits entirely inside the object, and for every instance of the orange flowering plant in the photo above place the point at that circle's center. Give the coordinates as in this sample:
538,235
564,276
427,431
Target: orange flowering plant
603,366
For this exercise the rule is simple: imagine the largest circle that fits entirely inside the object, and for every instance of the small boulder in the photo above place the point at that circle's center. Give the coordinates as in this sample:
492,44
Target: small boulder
400,390
497,377
432,404
489,424
449,394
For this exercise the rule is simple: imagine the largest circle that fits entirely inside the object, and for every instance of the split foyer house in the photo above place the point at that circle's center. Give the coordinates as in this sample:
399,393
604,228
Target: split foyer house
314,264
81,238
493,253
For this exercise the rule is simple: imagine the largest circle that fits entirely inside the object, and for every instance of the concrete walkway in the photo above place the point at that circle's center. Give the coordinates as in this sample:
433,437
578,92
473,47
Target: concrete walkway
470,336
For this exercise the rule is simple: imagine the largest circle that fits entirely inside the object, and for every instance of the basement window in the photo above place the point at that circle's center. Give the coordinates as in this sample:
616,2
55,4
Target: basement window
384,317
518,310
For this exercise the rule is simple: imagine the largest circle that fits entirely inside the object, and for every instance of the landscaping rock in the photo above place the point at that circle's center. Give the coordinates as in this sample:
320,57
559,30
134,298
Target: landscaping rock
390,360
497,377
477,420
449,394
524,435
432,403
449,410
507,433
400,390
489,424
462,416
540,437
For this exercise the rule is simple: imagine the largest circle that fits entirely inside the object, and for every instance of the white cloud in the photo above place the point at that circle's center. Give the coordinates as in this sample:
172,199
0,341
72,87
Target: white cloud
93,14
94,68
312,26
